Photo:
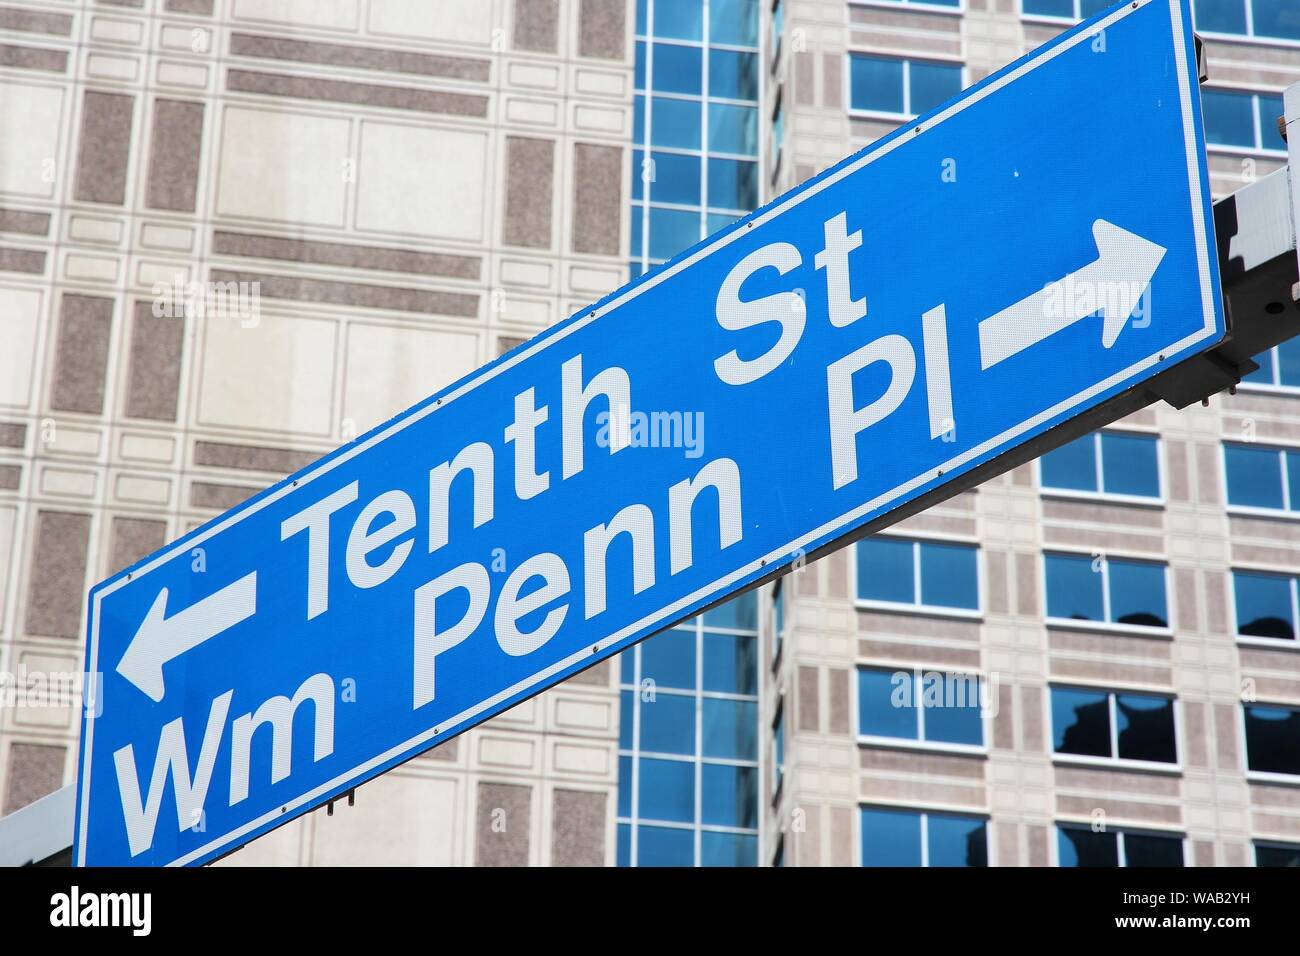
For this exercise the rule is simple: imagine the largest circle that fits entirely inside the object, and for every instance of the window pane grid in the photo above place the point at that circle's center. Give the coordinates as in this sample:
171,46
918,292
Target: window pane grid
939,575
1130,459
1266,19
1242,119
715,664
1252,605
958,723
899,836
1071,595
901,87
699,107
1250,471
1148,719
1127,848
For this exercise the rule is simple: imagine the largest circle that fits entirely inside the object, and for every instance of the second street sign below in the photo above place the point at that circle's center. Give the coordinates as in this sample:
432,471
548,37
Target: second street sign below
1029,250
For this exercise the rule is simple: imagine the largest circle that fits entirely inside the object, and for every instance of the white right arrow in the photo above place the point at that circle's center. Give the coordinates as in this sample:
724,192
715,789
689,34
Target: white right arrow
161,639
1113,284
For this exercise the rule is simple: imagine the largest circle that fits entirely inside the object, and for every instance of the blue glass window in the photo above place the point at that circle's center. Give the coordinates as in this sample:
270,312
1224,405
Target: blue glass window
1265,604
923,706
1242,120
672,230
666,790
1263,18
675,123
1221,16
664,846
949,575
730,796
673,177
886,570
1278,367
624,844
922,573
1144,728
728,849
733,75
1050,8
1081,846
1113,590
901,87
1277,854
929,84
668,724
1276,18
689,734
1111,463
914,838
1272,739
954,840
733,129
876,84
891,837
677,69
886,704
738,614
730,729
733,22
733,183
1111,725
731,664
679,19
778,619
669,660
778,750
1261,477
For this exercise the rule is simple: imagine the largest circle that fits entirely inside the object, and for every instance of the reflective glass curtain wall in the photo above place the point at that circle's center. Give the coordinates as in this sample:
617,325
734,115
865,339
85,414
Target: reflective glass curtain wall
695,163
688,785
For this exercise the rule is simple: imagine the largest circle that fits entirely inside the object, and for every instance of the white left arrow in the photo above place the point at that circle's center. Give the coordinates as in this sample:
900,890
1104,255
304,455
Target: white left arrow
160,639
1113,284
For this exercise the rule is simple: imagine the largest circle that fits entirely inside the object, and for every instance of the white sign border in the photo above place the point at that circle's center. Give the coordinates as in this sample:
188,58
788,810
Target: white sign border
422,741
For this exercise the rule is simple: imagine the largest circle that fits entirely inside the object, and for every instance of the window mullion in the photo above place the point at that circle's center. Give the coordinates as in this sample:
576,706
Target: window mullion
919,703
916,573
1254,115
1286,479
704,125
1105,588
925,839
907,87
699,725
1096,463
1123,852
1114,726
633,834
1295,606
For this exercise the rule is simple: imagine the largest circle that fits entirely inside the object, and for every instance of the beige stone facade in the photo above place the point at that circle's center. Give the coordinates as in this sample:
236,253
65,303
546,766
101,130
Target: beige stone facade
417,185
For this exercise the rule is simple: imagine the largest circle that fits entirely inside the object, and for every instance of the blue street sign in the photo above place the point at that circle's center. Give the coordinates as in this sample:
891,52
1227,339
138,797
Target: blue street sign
1030,249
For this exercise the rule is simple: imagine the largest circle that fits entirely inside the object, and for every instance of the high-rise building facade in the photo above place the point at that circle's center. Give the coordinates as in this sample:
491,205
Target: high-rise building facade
1123,606
1091,660
373,197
